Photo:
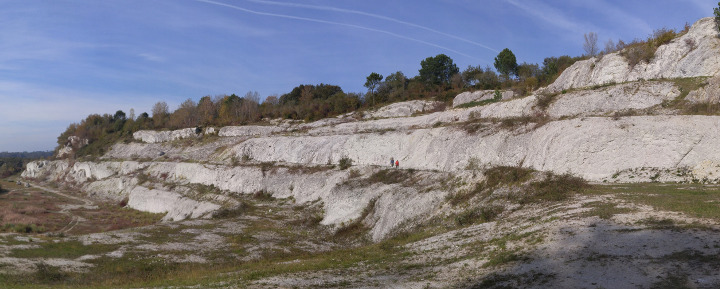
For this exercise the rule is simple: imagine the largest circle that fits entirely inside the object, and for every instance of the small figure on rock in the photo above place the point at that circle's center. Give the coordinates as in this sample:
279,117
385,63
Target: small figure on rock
392,162
397,163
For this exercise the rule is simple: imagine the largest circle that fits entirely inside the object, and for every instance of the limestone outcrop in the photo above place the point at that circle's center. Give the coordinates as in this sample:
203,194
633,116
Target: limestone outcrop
480,95
165,136
677,59
601,120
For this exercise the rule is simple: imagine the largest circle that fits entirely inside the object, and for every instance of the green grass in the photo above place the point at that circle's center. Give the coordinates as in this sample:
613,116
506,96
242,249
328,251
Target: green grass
604,210
70,250
702,201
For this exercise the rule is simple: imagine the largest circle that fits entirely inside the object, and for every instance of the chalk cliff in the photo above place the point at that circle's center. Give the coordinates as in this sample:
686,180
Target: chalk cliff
601,119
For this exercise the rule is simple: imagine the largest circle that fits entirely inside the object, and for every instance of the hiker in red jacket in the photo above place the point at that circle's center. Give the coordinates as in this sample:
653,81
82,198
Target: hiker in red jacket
397,163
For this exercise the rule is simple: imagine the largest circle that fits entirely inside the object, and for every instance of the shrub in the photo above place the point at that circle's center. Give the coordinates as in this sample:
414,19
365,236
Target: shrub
544,100
232,212
662,36
123,202
142,178
263,195
345,163
49,274
390,176
482,215
554,188
506,175
639,51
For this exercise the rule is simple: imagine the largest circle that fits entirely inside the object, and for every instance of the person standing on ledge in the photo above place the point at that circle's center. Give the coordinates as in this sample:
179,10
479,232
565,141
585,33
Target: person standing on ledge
397,163
392,161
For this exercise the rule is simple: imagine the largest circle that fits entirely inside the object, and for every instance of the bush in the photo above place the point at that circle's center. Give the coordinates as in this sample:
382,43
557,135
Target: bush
644,51
506,175
345,163
554,188
49,274
123,202
662,36
544,100
263,195
482,215
638,51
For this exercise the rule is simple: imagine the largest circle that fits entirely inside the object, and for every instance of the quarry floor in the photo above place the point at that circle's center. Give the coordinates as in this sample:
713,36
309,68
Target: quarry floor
611,236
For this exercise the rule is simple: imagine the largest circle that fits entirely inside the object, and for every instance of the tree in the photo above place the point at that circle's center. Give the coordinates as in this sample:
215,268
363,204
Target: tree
119,120
716,11
438,70
506,63
527,70
160,114
119,116
185,116
250,107
609,47
372,81
590,45
206,110
480,78
229,111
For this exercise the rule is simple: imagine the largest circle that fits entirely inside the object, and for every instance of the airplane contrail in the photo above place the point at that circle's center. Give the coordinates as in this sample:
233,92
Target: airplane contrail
342,10
335,23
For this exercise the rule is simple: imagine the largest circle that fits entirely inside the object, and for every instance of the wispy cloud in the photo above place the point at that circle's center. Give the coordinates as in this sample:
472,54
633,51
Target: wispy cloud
337,24
549,15
617,14
151,57
377,16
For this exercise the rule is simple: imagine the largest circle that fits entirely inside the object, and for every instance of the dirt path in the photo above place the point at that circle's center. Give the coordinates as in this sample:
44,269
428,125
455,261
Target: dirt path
66,209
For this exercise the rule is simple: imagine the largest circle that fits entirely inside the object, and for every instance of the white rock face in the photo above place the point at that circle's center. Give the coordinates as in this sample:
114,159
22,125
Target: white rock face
249,130
579,137
176,206
44,169
480,95
404,109
710,93
673,60
635,95
150,136
593,147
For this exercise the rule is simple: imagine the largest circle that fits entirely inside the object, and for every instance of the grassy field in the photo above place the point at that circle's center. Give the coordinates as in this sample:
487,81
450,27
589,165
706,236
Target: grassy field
269,237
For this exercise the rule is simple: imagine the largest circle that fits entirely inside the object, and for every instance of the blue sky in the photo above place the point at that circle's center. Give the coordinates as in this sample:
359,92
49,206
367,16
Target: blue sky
62,60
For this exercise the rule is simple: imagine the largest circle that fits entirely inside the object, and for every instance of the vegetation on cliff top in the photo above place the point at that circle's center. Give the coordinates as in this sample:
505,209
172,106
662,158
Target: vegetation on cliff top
439,79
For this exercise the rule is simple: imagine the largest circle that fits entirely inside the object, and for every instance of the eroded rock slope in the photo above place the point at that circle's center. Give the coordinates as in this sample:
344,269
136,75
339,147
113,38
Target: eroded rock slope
580,125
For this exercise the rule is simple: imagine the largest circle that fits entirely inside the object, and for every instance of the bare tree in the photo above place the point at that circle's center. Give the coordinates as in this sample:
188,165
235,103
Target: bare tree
185,116
609,46
160,114
590,44
249,109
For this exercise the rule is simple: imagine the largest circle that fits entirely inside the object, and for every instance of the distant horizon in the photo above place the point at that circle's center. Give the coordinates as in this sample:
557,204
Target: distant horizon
64,60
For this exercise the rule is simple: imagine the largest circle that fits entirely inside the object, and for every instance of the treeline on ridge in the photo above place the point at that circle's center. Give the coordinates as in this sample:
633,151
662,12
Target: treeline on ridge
438,79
